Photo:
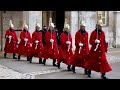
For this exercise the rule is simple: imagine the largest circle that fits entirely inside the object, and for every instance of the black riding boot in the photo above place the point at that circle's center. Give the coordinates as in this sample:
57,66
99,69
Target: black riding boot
68,68
18,57
14,56
85,71
30,59
103,76
54,61
73,69
40,60
58,65
89,73
44,61
5,54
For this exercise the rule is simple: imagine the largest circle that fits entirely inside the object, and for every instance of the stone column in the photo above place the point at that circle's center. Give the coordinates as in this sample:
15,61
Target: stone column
74,26
31,17
117,26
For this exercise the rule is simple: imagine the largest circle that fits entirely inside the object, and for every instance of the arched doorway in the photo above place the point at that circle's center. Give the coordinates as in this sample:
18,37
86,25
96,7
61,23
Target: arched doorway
46,15
57,18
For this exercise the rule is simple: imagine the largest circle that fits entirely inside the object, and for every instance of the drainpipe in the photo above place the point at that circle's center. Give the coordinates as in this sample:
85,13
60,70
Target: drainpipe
1,32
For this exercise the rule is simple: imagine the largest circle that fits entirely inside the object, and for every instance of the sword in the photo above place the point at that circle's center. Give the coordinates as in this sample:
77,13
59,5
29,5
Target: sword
80,33
80,49
10,39
68,44
36,46
97,34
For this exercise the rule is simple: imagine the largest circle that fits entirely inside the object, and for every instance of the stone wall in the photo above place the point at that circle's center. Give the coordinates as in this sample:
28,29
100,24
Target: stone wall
16,17
90,18
117,29
112,30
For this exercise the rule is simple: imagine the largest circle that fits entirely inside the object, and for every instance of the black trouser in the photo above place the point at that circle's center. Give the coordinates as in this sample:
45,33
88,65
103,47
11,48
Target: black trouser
85,71
5,54
44,61
58,64
89,73
28,58
103,75
14,55
73,69
19,57
40,60
69,68
54,61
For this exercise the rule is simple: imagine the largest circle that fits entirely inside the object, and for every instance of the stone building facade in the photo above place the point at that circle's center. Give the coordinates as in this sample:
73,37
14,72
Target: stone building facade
111,23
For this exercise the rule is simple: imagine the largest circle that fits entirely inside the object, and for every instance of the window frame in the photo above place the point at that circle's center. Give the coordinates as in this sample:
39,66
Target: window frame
106,18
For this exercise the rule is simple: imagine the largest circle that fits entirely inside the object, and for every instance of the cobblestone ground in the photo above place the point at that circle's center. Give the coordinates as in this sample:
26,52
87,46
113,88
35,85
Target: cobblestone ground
6,73
12,69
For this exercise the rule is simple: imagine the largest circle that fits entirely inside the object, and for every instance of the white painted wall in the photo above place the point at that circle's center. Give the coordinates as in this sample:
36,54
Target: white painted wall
90,18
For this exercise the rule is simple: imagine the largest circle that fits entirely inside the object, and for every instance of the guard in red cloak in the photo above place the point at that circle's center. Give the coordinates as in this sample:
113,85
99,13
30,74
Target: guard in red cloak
82,48
11,41
37,44
25,45
50,47
97,60
65,52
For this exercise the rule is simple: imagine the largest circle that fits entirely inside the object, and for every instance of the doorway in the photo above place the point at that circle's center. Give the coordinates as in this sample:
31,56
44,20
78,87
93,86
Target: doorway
58,18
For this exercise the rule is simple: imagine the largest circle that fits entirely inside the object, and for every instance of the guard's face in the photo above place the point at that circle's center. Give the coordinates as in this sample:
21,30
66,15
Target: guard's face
45,27
11,28
37,28
82,27
26,28
66,29
51,28
99,27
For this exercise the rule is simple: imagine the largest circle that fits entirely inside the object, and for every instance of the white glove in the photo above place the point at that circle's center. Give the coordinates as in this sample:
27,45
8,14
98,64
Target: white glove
36,41
25,39
18,42
51,40
9,37
30,45
68,42
80,44
97,41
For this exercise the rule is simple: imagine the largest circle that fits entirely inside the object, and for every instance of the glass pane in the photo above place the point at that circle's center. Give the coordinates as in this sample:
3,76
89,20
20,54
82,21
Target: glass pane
103,19
103,13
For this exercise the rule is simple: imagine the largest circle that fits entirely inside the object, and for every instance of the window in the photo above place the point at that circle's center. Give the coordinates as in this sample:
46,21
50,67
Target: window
104,17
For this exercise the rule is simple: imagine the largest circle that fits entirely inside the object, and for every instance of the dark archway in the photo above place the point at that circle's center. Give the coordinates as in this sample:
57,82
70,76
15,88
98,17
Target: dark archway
60,16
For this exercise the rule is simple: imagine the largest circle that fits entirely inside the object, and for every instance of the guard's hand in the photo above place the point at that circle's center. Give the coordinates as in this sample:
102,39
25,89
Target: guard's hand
51,40
18,43
25,39
80,44
36,41
9,37
30,44
68,42
97,41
